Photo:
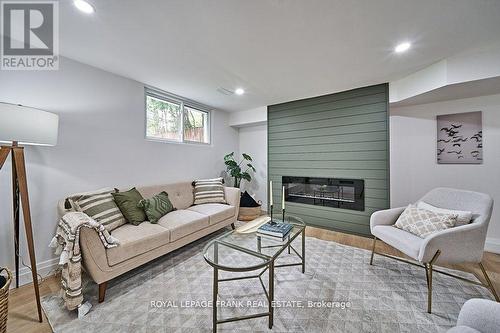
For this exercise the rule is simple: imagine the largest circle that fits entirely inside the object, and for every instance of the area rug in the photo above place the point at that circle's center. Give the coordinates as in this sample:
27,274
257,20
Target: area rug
339,292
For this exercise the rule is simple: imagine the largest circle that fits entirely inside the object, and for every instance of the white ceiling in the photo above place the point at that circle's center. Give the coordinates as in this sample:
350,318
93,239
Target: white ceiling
277,50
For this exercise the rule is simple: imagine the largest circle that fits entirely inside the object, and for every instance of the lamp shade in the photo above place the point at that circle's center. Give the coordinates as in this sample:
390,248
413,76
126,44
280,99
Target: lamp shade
28,126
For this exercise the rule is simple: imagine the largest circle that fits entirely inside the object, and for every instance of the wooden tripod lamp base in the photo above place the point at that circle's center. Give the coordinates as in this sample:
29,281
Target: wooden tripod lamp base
20,194
30,127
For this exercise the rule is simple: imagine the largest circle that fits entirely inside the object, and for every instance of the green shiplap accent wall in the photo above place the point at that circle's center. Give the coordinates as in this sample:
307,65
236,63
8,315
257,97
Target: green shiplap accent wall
343,135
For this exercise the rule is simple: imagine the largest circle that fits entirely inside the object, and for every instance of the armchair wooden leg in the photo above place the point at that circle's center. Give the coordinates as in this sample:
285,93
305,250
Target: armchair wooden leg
428,271
488,281
232,226
373,249
102,291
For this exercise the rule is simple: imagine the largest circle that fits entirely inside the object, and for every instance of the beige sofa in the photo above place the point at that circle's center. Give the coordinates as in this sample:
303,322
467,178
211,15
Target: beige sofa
145,242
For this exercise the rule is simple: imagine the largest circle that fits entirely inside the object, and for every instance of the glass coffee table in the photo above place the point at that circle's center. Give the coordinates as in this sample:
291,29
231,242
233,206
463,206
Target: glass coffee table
247,252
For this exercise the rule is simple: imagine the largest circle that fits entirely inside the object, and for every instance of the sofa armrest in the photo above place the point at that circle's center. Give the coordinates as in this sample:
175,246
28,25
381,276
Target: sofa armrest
94,255
457,245
233,197
385,217
480,314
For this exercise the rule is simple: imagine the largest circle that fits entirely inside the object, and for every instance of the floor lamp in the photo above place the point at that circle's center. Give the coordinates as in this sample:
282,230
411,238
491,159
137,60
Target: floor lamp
19,126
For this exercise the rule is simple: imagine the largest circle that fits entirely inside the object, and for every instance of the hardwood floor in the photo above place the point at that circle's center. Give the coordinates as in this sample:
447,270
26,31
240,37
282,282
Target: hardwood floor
22,306
23,316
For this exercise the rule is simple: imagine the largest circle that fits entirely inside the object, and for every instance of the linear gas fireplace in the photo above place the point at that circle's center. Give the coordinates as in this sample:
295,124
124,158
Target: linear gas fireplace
330,192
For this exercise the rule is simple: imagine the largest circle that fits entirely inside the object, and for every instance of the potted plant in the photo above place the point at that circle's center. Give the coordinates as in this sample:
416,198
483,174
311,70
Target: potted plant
249,208
237,170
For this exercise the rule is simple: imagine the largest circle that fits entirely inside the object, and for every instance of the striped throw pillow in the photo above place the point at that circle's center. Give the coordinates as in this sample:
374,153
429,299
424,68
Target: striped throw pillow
100,206
209,191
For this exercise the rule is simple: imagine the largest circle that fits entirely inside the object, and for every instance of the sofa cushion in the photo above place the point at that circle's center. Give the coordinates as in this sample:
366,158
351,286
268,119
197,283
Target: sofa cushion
156,207
179,194
402,240
182,222
215,211
422,222
463,217
136,240
209,191
127,201
100,206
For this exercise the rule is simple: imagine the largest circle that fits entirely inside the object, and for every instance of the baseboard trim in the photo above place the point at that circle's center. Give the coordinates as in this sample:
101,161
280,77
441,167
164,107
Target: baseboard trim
492,245
44,268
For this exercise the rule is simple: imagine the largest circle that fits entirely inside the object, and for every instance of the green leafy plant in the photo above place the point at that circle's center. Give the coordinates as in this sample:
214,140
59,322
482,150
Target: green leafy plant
239,170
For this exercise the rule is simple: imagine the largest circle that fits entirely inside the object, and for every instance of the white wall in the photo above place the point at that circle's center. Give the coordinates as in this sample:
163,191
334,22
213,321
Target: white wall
253,141
414,169
252,117
101,143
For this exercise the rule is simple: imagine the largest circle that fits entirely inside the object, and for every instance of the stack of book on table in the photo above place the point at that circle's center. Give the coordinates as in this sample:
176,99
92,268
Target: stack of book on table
276,230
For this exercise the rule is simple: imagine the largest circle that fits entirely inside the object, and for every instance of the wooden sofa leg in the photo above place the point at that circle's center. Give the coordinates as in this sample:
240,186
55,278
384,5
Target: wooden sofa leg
232,226
102,291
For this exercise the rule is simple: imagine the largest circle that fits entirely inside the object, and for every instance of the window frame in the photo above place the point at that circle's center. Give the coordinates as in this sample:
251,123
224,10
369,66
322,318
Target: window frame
182,102
208,125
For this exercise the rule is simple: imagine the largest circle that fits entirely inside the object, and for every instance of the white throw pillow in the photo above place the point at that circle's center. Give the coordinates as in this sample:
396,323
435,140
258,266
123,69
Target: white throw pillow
422,222
463,217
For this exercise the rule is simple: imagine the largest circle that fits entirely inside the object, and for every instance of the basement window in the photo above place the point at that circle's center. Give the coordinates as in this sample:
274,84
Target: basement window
171,118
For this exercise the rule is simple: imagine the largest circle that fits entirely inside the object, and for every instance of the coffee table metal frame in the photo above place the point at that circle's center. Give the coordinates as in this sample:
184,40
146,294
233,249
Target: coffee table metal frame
268,265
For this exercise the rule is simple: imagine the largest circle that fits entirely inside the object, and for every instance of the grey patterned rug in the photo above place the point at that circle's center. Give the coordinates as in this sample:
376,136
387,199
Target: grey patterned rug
340,292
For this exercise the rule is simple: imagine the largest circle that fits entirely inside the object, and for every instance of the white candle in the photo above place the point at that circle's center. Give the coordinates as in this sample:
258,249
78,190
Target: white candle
271,193
283,199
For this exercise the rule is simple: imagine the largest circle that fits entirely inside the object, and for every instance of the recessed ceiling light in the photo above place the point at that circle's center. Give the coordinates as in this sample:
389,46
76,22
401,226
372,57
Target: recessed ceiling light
84,6
239,91
402,47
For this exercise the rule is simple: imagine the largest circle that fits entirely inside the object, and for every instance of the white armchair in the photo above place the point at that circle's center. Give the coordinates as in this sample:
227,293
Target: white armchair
463,244
478,316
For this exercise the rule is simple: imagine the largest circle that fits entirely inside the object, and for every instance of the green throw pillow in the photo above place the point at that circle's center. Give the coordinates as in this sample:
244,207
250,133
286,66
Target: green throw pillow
127,202
156,206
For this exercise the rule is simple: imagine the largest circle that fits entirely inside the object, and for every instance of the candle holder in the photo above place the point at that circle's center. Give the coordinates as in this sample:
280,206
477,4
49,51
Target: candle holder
283,215
271,213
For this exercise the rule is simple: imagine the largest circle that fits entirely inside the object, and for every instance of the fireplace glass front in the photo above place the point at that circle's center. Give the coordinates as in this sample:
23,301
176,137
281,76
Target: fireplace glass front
330,192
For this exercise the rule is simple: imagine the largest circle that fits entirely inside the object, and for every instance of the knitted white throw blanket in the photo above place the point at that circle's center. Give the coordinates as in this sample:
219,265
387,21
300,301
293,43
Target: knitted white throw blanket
67,244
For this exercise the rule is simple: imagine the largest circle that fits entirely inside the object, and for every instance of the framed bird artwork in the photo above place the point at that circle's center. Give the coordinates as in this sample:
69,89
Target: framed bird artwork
460,138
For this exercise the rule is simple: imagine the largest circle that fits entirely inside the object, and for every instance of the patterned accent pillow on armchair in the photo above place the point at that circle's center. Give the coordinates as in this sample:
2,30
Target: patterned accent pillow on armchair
422,222
156,207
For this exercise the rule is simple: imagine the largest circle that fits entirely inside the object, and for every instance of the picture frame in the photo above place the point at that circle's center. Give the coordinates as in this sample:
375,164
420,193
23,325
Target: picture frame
460,138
